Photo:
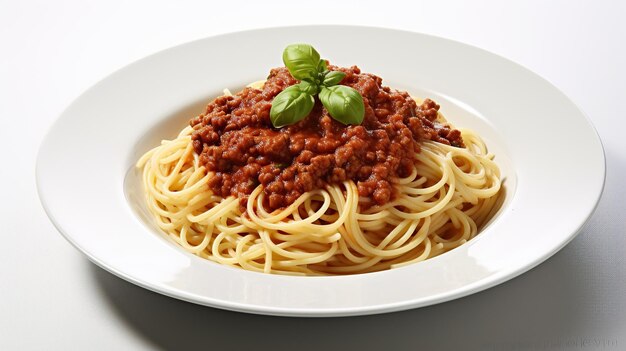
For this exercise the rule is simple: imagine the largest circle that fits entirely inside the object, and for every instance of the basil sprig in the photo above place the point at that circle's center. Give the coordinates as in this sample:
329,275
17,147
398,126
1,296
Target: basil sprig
343,103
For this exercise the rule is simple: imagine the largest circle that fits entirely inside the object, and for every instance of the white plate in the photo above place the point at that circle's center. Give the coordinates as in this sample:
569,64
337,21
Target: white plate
549,152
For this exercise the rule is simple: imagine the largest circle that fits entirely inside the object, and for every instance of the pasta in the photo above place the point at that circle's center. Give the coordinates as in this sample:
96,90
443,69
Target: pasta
448,196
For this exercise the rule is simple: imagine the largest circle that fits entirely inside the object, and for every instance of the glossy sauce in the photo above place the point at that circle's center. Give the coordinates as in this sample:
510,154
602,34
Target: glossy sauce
235,139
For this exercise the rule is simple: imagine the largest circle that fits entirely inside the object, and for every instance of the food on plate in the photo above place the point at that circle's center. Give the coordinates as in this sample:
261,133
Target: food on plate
320,170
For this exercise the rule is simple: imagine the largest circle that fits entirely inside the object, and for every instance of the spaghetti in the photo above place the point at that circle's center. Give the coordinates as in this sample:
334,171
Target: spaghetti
449,194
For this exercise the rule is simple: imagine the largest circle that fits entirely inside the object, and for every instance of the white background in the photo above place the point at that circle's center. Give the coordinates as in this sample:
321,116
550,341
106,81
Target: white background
53,298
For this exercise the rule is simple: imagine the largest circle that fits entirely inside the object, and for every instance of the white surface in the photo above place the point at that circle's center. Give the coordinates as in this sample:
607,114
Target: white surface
53,298
140,110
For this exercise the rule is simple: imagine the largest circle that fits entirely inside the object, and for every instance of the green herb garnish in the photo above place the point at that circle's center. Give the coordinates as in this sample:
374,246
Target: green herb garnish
343,103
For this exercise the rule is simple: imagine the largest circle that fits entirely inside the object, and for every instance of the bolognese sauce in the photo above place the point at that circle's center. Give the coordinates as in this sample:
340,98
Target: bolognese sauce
235,139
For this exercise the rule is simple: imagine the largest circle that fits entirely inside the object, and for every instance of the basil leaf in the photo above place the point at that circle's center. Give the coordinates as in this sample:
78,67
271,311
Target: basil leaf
309,87
333,78
343,103
301,60
290,106
322,66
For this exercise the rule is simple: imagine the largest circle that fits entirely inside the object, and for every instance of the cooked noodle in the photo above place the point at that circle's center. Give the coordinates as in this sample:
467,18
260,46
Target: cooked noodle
451,193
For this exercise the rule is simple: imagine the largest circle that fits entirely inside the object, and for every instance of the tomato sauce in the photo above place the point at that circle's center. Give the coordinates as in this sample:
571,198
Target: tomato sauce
235,139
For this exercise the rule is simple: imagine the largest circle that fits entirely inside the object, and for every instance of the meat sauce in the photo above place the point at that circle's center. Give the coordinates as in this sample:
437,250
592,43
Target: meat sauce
235,139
